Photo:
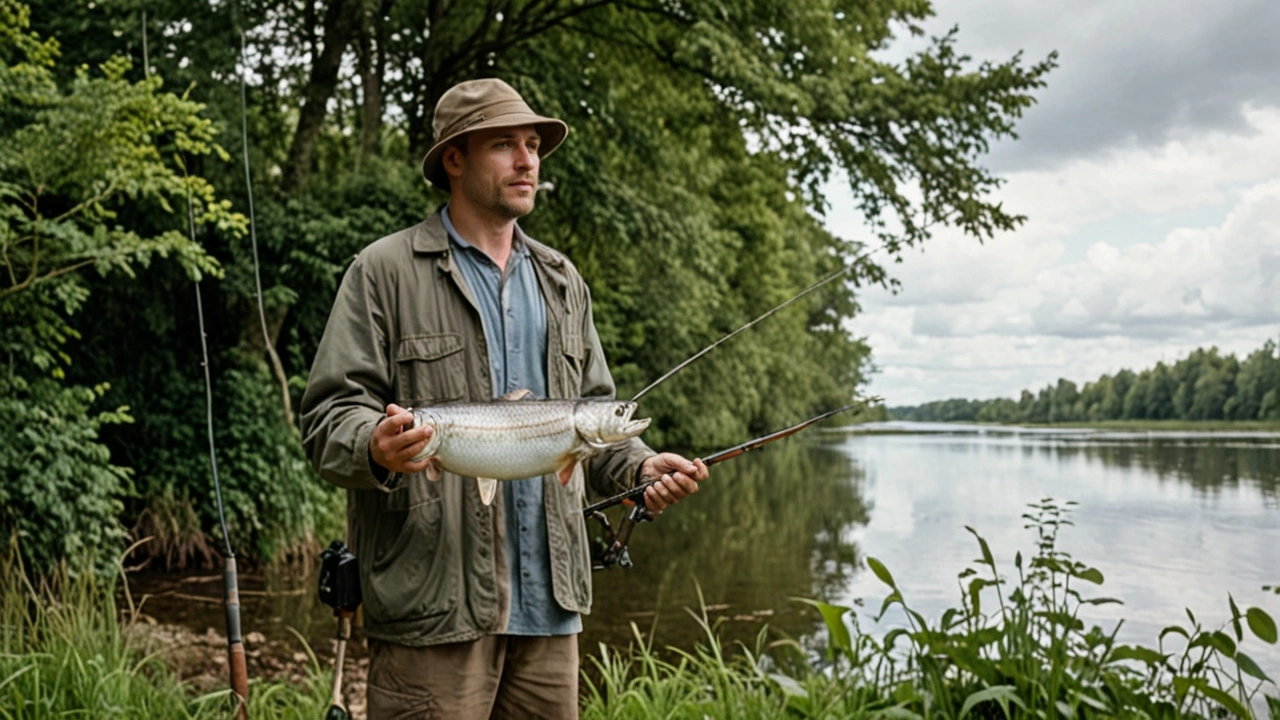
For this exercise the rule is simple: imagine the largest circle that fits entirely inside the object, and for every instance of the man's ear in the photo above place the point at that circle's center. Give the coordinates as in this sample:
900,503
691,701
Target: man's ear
452,160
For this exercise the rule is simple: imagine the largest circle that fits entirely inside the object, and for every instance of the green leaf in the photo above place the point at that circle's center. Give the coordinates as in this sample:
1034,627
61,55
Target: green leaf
1092,575
1002,694
1224,699
892,598
1235,618
975,594
881,572
1223,643
1251,668
1141,654
986,550
789,686
833,616
892,636
1261,624
1174,630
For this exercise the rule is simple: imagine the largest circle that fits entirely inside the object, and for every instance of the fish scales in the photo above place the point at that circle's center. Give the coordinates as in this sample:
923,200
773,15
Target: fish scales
515,437
505,440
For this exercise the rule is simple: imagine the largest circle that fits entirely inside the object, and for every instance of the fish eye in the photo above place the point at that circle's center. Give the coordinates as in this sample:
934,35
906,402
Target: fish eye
619,411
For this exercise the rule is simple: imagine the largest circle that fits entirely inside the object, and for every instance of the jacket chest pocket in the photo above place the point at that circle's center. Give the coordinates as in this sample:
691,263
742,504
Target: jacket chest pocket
574,357
431,369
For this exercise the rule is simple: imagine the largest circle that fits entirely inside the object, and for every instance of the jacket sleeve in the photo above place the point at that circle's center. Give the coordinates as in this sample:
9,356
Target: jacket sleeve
617,469
348,386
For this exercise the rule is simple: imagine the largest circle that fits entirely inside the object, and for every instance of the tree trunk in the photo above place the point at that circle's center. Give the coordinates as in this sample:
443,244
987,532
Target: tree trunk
372,58
340,25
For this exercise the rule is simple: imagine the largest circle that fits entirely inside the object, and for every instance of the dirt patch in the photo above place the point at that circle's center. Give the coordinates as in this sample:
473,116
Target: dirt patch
200,659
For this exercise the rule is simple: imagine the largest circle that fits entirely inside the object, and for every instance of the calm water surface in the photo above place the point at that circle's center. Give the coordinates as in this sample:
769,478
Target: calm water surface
1173,521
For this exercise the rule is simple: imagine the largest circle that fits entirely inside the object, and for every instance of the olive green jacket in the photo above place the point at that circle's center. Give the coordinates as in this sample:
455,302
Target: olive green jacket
405,329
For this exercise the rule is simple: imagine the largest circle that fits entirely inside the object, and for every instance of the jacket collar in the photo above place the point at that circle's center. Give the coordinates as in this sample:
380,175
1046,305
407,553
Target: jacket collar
430,236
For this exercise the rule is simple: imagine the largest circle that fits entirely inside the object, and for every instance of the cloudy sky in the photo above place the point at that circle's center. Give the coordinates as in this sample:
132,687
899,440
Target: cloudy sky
1150,174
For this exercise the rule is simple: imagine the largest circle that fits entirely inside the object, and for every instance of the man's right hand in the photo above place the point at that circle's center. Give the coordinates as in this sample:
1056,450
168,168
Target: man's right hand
395,440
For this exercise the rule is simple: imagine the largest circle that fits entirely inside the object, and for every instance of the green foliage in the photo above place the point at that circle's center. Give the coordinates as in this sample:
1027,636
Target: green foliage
1204,386
1027,654
59,491
74,158
689,194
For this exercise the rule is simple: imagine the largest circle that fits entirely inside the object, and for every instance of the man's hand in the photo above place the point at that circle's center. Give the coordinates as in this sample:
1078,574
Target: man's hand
679,479
395,440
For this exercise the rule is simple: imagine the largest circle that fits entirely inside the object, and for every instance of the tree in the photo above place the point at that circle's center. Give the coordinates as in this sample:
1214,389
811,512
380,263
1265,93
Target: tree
73,157
690,195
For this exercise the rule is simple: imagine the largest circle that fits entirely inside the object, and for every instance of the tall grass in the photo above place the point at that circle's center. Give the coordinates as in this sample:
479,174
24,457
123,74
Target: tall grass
1014,647
65,653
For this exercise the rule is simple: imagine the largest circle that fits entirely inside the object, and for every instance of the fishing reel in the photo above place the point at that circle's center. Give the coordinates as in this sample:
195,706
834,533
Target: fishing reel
610,547
339,578
340,589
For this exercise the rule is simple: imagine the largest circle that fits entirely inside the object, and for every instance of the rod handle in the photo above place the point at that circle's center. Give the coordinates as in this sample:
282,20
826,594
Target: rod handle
235,644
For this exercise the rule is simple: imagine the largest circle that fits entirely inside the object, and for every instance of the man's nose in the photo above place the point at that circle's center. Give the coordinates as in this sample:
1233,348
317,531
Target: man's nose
526,158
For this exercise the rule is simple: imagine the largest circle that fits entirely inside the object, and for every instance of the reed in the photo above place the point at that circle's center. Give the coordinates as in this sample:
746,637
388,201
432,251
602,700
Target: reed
66,653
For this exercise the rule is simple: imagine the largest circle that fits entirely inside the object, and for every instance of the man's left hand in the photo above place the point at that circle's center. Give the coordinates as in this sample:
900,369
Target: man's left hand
676,478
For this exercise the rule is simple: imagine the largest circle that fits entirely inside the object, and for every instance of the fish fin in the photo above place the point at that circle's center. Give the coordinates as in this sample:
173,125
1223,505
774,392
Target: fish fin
434,470
517,394
488,488
567,472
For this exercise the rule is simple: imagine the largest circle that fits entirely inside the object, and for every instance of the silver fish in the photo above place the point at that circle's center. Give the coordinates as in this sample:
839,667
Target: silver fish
515,437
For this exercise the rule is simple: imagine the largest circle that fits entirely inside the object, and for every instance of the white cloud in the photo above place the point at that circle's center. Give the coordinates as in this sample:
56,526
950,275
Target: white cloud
1052,300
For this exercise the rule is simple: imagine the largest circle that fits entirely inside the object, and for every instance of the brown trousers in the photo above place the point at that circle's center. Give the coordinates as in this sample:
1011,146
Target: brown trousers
497,676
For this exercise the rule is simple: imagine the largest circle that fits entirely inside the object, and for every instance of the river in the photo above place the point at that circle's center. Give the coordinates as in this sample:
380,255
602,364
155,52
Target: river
1174,521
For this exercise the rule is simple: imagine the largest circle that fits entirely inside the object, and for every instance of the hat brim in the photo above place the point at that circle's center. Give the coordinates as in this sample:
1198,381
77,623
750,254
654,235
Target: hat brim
551,131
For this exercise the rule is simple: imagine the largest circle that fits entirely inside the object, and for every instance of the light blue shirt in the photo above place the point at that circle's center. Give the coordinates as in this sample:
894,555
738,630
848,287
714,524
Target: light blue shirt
514,316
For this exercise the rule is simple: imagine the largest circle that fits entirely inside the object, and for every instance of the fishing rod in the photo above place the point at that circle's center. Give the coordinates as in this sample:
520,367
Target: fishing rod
613,547
838,273
231,589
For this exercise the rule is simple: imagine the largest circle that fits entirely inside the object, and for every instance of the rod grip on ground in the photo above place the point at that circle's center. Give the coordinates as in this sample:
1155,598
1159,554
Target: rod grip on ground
235,645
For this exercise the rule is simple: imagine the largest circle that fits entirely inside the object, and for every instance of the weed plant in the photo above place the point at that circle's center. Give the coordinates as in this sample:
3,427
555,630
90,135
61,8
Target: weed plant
65,653
1016,647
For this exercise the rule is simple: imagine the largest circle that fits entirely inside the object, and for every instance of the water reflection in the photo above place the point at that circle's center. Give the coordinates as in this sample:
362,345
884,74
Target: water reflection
1172,522
768,527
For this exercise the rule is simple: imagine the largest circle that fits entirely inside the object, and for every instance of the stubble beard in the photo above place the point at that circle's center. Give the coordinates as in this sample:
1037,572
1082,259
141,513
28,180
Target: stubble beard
492,199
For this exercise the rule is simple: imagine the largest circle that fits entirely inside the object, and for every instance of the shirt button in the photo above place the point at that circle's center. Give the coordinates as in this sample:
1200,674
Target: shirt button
525,573
524,528
519,503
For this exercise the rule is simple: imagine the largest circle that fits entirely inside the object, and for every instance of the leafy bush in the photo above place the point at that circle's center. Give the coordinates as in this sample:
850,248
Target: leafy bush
58,489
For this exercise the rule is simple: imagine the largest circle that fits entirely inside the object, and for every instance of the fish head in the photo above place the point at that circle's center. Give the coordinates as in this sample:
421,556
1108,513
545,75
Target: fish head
605,422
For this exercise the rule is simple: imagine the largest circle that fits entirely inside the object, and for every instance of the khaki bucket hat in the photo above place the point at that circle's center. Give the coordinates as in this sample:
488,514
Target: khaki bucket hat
479,105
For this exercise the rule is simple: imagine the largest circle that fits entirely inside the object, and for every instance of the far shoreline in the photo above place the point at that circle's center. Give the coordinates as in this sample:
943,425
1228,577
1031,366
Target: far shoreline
1224,427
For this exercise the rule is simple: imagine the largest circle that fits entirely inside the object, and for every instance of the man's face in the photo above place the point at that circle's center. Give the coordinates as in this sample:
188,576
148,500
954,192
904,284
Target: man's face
500,170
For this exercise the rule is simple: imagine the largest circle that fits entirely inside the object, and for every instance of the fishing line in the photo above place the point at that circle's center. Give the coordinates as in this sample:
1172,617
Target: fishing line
146,65
248,185
208,388
842,271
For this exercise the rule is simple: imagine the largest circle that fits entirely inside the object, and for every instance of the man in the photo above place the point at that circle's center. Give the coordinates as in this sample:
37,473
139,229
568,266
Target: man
471,610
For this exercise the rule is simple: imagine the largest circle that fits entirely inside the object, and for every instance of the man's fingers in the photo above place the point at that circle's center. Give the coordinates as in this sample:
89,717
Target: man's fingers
653,500
685,484
416,466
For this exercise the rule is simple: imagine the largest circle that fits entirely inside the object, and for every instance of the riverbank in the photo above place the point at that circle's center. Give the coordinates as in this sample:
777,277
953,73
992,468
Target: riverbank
1013,648
1258,428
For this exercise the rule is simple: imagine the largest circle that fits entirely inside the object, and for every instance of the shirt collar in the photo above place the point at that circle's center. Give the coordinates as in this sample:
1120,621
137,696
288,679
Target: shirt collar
518,245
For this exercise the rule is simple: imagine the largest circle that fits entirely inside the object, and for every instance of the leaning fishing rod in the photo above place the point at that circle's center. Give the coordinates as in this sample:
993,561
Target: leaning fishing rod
612,549
231,590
